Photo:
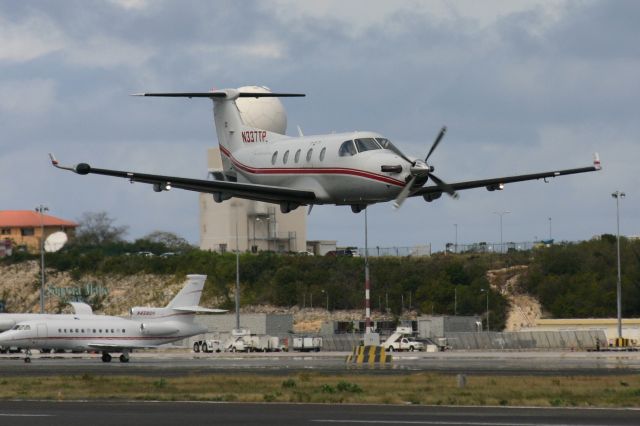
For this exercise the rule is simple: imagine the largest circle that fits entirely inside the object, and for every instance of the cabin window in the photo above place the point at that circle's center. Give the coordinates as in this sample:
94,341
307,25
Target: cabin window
112,330
82,330
123,330
322,153
59,330
309,153
94,330
297,157
274,157
285,158
100,330
347,149
65,330
77,330
366,144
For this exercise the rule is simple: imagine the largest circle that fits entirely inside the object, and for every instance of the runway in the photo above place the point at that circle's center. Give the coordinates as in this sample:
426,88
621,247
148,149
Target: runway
180,362
81,413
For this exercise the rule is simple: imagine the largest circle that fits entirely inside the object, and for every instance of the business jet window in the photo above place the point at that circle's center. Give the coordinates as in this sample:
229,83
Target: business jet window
297,157
309,153
94,330
82,330
386,144
112,330
366,144
274,157
285,158
77,330
347,149
123,330
100,330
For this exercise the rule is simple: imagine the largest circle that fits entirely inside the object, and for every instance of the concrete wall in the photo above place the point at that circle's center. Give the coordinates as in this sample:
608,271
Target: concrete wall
532,340
438,326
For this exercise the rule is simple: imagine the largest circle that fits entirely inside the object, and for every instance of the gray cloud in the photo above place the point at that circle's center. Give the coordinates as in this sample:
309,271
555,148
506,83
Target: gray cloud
523,87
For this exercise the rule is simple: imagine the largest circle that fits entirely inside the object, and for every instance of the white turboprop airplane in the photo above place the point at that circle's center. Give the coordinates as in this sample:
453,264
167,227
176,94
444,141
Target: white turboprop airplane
146,328
355,168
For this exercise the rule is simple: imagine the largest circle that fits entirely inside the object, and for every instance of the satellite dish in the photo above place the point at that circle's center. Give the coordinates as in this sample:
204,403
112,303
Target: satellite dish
55,242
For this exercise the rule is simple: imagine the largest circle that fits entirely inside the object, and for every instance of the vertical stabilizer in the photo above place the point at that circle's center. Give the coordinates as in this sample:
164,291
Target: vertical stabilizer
190,293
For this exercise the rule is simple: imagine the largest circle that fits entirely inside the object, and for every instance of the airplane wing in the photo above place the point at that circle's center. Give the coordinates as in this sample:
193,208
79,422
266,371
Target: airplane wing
498,183
199,309
266,193
117,348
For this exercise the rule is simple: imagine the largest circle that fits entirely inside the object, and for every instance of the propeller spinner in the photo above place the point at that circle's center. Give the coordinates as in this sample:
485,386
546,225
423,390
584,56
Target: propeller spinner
420,168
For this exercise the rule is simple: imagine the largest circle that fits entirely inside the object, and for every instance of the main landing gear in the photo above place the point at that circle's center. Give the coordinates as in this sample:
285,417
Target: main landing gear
106,357
27,356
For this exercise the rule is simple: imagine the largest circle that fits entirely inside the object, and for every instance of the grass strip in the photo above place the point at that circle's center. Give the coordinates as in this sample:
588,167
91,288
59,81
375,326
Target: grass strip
418,388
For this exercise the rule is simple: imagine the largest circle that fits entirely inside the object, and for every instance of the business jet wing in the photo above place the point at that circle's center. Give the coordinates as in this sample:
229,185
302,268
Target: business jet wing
266,193
498,183
118,348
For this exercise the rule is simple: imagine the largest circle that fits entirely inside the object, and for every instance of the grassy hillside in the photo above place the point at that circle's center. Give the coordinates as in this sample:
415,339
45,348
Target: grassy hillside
571,280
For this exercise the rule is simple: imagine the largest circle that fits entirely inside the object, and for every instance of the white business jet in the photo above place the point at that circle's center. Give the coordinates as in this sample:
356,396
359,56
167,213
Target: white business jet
146,328
355,168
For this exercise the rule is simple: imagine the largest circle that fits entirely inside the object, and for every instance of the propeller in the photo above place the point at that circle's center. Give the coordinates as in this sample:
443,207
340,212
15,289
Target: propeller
420,168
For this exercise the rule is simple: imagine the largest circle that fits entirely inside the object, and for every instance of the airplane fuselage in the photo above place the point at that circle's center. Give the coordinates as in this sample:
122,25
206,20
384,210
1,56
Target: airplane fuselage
96,333
335,172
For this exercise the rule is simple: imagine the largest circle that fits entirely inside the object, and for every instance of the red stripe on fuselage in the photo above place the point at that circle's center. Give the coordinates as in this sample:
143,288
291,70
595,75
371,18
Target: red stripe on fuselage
311,170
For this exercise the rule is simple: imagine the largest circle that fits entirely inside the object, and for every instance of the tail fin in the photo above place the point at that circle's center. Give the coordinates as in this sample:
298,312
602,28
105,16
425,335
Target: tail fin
259,122
190,293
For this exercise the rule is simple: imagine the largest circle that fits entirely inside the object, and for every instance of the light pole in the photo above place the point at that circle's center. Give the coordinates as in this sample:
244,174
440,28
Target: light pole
41,209
327,293
484,290
550,229
618,195
501,213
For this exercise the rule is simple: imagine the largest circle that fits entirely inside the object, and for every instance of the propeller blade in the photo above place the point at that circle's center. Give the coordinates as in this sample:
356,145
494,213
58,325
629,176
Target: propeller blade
444,186
403,194
436,142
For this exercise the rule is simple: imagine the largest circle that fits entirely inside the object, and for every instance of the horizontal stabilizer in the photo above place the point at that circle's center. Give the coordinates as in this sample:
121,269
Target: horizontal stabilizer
199,309
221,94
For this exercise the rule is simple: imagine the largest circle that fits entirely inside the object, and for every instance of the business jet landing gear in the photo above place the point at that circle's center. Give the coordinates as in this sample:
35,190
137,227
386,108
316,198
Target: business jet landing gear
124,357
357,208
106,357
27,356
288,207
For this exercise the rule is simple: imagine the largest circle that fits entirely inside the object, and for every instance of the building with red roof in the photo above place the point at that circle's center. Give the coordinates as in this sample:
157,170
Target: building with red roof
26,227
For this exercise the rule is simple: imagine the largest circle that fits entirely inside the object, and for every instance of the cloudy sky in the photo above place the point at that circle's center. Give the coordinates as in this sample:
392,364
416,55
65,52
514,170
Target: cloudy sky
523,87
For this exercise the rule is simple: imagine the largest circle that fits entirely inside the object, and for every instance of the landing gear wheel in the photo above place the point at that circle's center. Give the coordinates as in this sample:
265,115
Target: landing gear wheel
205,347
27,356
196,347
124,358
106,357
27,360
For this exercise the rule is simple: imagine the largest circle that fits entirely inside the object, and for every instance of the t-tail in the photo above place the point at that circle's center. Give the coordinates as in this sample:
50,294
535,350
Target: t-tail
182,307
233,133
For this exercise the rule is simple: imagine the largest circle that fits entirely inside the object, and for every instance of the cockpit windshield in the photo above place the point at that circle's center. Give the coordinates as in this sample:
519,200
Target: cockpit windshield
21,327
347,149
386,144
366,144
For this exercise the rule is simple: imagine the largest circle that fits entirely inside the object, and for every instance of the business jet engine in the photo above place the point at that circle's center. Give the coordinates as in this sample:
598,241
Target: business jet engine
159,329
263,113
